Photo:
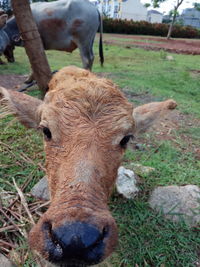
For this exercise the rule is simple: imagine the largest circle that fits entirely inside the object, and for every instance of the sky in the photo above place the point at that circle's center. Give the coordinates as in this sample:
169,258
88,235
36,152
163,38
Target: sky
168,5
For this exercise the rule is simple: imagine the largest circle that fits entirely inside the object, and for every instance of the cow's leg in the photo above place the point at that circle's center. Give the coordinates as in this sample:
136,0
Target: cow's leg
30,78
87,58
87,54
8,53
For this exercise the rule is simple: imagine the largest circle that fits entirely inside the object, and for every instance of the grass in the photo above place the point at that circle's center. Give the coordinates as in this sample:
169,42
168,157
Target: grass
13,165
172,166
145,238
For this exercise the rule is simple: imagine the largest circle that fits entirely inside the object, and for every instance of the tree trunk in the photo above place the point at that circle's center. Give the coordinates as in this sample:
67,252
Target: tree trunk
32,43
179,2
171,27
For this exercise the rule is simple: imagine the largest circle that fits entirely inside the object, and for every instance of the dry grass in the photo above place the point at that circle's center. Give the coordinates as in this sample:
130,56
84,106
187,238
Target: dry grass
18,212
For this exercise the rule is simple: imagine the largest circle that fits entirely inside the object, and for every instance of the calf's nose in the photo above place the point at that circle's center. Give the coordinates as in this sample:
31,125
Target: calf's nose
73,243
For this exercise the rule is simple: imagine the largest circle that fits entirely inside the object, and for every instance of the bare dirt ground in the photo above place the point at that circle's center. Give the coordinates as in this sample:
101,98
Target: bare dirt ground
180,46
12,81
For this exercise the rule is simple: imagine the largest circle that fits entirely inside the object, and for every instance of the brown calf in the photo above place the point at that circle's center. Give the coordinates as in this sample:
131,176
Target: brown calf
87,123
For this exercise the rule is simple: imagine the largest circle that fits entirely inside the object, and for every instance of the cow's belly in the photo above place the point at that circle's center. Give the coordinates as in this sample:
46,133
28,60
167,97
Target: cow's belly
65,45
55,35
69,47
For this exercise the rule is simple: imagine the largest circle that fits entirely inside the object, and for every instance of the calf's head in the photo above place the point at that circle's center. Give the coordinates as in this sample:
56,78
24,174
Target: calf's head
3,19
87,123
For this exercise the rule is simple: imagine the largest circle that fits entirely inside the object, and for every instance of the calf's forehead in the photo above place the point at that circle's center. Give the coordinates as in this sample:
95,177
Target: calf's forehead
80,96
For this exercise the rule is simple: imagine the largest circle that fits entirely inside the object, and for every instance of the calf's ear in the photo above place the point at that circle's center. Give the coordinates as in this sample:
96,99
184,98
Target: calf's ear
145,115
3,20
23,106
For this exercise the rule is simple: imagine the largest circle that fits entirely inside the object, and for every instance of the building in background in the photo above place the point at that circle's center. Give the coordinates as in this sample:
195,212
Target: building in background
133,9
190,17
153,16
122,9
109,8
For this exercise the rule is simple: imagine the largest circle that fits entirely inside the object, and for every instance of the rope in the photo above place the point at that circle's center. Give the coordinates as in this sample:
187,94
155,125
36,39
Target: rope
30,39
32,30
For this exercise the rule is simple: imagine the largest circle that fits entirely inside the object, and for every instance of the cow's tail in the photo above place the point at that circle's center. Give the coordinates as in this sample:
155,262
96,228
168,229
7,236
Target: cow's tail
101,40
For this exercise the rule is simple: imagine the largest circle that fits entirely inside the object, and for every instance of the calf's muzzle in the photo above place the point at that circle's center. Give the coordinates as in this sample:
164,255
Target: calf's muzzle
75,243
81,240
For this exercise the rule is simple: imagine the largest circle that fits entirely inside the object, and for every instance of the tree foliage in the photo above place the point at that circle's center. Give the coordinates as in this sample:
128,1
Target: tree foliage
196,6
147,5
5,5
156,3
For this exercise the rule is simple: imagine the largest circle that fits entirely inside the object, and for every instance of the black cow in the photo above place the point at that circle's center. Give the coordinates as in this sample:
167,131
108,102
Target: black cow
5,47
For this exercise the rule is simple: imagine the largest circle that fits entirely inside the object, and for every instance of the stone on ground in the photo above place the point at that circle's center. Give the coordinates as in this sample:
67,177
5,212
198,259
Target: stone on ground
41,189
177,203
126,183
170,58
5,262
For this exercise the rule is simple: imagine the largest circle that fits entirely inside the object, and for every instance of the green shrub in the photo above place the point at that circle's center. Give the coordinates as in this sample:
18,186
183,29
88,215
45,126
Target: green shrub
146,28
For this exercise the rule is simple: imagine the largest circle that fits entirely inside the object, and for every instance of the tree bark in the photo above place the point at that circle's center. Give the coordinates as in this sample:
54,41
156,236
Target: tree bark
179,2
32,43
171,26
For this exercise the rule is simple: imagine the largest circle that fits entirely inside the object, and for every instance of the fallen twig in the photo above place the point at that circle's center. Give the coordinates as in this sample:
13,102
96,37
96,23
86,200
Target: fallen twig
24,203
29,160
23,156
11,221
7,244
39,207
6,228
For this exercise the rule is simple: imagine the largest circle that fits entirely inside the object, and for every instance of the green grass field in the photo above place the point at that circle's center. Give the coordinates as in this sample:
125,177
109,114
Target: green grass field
145,238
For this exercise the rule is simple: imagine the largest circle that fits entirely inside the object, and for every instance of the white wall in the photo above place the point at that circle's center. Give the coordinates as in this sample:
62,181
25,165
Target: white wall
129,9
154,18
133,9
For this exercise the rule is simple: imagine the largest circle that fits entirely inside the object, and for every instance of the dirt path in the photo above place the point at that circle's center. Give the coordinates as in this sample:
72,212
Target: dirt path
180,46
12,81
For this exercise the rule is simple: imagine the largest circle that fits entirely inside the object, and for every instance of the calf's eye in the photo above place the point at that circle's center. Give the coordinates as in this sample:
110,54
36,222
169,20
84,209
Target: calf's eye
125,140
47,133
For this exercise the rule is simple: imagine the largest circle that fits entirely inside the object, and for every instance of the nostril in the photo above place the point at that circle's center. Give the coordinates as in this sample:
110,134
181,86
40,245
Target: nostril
47,226
52,244
102,236
105,231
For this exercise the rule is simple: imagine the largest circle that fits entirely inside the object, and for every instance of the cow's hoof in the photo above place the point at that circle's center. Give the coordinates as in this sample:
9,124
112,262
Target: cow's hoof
28,81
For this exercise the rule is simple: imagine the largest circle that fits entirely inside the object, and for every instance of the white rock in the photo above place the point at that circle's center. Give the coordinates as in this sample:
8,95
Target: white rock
126,183
5,262
178,203
170,58
41,189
